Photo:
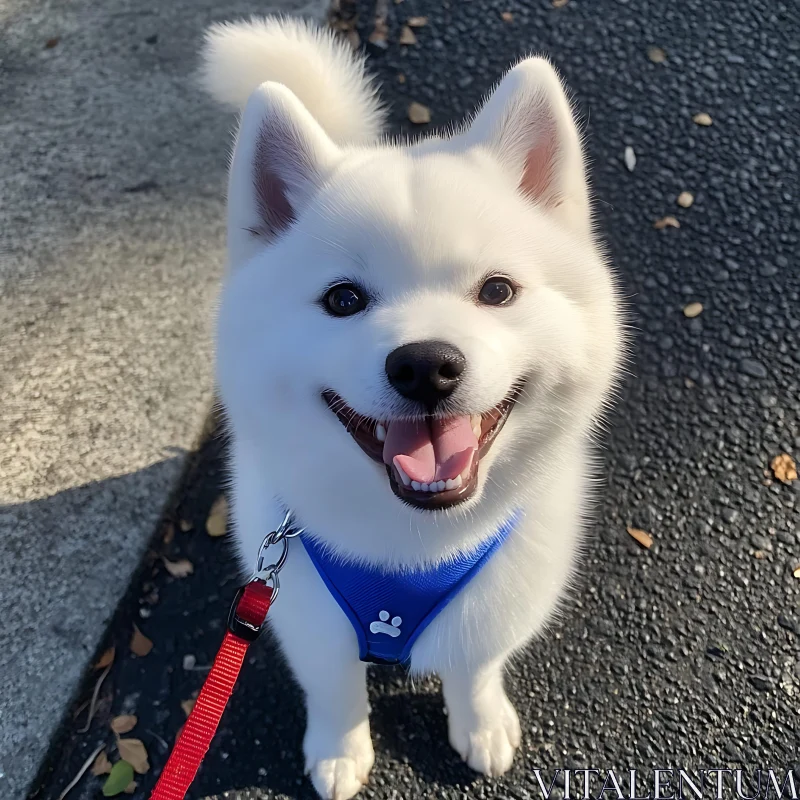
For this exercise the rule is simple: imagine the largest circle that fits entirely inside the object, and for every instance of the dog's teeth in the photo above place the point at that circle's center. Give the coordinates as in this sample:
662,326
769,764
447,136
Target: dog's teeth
380,433
475,419
433,486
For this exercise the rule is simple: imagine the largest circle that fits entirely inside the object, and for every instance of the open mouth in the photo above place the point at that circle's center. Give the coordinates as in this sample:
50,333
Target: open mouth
432,462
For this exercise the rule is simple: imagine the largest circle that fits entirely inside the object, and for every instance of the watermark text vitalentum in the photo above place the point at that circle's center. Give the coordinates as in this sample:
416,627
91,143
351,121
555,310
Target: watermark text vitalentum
714,783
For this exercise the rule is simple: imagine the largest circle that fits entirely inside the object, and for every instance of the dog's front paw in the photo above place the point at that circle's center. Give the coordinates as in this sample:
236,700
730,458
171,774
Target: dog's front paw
339,766
486,743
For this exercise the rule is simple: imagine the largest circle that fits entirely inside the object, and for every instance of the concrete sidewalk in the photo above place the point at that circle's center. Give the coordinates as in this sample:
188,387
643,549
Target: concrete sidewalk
111,248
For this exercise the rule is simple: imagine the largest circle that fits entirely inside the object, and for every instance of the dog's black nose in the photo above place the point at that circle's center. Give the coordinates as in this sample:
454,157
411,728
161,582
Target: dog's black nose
425,371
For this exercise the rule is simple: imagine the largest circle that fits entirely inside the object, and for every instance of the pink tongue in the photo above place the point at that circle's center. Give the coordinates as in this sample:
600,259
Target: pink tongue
431,450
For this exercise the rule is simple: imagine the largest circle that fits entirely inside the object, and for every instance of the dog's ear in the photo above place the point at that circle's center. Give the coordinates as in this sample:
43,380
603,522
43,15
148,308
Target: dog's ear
527,123
281,157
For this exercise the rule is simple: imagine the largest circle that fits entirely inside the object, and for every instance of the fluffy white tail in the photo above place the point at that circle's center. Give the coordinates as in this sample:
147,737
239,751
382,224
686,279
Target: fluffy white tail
320,69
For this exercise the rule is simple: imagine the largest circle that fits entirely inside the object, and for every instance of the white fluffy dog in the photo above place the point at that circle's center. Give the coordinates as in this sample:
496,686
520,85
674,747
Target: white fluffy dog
415,343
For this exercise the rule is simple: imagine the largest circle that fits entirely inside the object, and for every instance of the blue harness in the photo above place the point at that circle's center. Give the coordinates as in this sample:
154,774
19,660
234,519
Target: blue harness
389,610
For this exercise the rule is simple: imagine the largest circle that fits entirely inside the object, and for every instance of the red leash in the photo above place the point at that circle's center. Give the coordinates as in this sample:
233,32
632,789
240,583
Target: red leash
248,613
245,623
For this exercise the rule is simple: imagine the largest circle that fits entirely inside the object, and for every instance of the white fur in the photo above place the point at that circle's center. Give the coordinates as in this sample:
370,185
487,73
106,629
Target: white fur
419,225
320,69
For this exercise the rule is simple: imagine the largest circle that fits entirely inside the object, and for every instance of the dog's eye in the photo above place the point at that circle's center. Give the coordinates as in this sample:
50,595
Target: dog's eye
344,299
496,292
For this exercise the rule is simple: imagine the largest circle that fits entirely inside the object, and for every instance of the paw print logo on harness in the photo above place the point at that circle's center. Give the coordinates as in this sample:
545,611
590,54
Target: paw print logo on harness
382,625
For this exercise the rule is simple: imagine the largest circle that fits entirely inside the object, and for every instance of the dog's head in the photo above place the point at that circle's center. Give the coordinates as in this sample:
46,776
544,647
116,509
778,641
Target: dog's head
402,325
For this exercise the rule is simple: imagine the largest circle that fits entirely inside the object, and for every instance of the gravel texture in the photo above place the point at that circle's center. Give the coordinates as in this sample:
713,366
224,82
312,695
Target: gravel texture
683,655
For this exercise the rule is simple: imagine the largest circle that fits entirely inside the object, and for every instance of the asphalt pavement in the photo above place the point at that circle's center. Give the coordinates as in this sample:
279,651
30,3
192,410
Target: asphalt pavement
686,654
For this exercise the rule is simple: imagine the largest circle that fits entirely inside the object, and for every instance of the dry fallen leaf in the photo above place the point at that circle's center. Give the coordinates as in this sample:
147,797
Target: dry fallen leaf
685,199
796,572
507,16
106,659
784,468
185,525
643,537
401,78
666,222
218,517
51,43
702,119
188,705
101,766
379,33
559,3
124,723
169,533
130,788
630,159
419,114
133,751
179,569
140,644
656,55
407,36
417,22
692,310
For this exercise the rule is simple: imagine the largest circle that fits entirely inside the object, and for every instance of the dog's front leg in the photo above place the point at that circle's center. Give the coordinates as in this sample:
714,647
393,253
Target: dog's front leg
337,744
322,649
482,723
317,640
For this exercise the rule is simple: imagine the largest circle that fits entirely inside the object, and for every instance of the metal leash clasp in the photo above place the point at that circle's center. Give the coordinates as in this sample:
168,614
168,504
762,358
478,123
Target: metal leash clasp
266,574
269,574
